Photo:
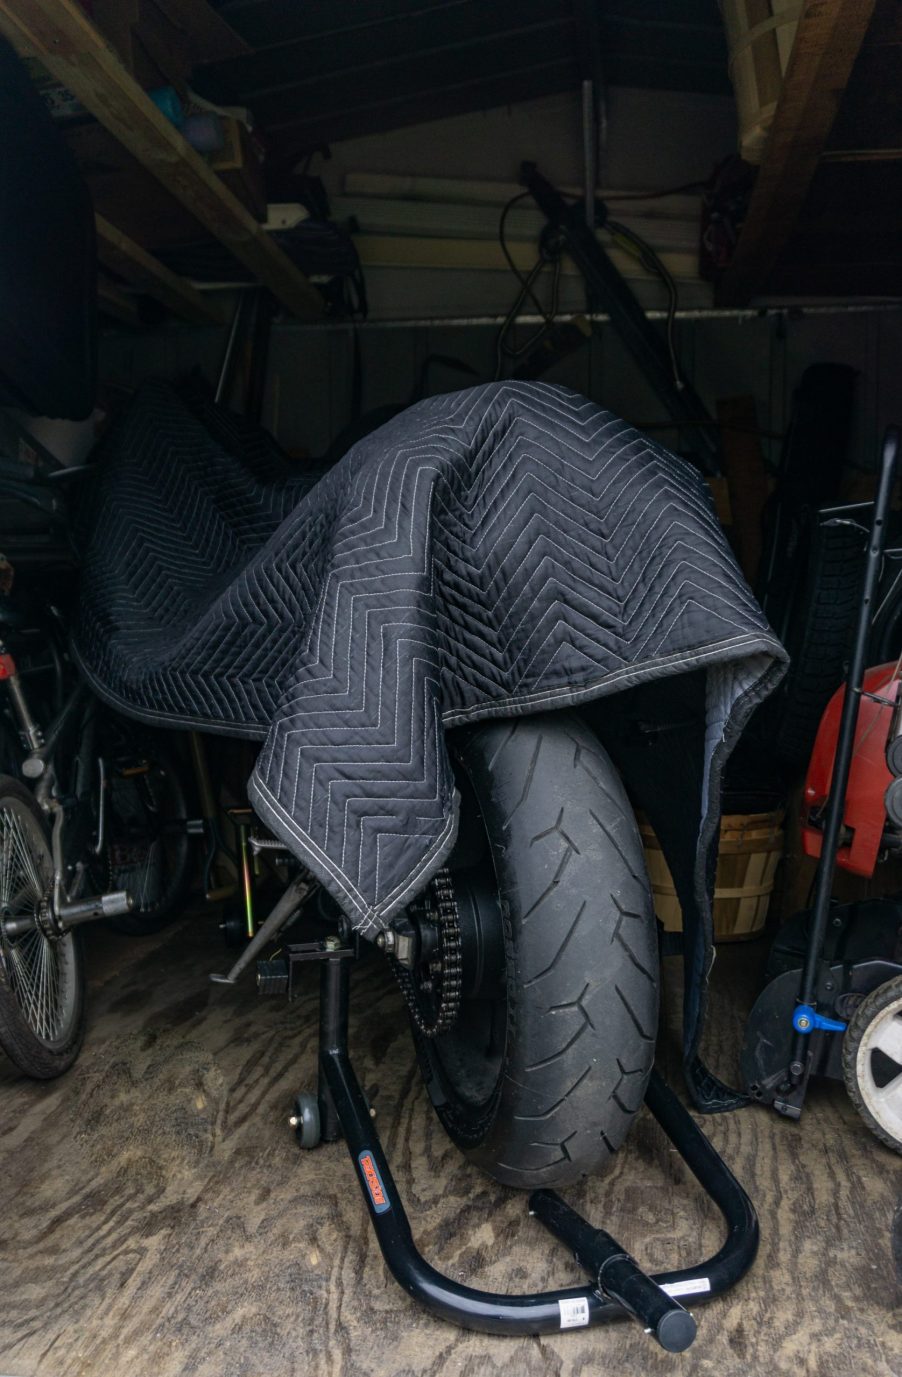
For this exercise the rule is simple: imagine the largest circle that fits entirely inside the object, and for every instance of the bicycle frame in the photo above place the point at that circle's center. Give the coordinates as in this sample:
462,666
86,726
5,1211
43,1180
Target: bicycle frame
66,797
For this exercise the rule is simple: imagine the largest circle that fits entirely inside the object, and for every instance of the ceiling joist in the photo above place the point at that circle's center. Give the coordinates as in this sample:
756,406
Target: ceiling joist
828,39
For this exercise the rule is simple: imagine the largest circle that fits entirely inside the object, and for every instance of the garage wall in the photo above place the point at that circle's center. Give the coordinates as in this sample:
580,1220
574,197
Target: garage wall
309,385
654,139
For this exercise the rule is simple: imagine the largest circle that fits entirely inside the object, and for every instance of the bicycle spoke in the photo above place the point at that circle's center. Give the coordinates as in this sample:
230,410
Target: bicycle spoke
35,964
24,857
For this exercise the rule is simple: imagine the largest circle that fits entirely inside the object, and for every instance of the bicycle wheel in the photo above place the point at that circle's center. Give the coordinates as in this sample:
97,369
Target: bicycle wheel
147,849
42,1007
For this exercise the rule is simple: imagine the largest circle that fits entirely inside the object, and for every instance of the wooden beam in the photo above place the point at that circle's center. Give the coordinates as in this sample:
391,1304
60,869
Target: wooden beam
477,255
862,155
827,42
132,262
73,50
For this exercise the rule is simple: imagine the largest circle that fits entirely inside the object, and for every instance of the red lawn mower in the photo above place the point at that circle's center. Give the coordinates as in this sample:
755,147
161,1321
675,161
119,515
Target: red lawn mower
832,1005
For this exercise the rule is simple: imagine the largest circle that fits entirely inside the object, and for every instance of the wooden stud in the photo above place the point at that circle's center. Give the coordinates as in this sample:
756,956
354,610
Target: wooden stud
73,50
476,255
747,478
132,262
827,42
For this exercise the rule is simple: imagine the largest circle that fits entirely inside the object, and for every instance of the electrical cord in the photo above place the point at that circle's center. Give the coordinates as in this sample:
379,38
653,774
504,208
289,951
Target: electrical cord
656,195
627,239
502,349
502,240
527,282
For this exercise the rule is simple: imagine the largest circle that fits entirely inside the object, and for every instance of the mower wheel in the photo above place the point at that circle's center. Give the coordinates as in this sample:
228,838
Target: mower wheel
872,1062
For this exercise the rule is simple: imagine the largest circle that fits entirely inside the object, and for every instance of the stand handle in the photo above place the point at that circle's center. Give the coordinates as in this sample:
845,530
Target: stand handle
619,1276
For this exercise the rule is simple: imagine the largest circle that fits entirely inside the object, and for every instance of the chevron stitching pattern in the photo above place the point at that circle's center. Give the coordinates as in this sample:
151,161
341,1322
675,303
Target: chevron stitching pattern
491,552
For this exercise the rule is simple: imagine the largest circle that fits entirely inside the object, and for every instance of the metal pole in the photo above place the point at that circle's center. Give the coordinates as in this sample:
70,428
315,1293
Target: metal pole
842,761
590,172
227,367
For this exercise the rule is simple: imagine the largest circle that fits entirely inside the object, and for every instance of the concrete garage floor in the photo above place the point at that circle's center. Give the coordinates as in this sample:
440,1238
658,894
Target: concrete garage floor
159,1221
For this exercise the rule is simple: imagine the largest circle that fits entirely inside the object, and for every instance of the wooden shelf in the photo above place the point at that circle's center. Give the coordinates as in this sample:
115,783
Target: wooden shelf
130,261
74,51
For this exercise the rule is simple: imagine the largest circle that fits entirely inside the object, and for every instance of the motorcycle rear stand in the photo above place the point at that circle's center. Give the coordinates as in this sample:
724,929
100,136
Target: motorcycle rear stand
618,1286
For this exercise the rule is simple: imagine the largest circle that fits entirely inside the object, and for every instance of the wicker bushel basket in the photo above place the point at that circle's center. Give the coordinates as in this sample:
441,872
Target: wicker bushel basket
751,845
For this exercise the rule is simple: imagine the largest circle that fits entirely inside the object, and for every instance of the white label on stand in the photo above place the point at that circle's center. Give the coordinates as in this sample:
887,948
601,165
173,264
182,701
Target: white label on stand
574,1312
687,1288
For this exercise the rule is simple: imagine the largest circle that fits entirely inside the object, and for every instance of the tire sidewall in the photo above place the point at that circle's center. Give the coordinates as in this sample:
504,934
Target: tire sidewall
484,1134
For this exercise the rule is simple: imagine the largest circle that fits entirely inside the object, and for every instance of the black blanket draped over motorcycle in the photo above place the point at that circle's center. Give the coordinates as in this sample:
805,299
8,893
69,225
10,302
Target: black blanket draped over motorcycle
492,553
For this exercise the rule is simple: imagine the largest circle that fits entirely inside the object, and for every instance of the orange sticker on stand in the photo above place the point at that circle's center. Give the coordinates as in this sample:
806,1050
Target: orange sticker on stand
373,1182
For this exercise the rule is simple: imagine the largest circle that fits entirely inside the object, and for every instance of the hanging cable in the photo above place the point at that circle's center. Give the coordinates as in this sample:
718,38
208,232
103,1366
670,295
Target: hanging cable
627,239
527,282
655,195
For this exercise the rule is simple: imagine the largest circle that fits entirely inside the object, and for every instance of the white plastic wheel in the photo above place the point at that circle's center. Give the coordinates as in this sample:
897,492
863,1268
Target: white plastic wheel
872,1062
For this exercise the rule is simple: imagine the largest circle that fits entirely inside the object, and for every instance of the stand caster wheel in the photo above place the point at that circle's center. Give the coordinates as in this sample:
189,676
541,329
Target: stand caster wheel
305,1120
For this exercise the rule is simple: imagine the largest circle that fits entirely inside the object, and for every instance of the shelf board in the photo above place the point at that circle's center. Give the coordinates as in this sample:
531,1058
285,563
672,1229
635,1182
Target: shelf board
74,51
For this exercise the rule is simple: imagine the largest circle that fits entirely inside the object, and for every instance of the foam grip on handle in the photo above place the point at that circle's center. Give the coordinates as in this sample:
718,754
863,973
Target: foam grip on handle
621,1278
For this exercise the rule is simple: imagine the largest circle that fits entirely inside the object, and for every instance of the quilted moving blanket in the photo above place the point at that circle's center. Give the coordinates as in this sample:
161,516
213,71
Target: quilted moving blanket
502,550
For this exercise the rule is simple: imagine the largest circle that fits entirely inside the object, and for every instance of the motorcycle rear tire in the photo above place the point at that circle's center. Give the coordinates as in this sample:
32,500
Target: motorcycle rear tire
539,1083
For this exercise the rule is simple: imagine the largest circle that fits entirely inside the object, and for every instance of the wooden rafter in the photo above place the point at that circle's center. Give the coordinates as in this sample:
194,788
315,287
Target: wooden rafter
133,263
827,42
73,50
211,37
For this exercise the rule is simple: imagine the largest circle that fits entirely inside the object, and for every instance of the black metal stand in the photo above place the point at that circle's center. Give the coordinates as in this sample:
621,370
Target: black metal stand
618,1285
639,335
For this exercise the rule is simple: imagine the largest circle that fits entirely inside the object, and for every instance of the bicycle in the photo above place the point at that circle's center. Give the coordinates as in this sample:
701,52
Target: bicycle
93,817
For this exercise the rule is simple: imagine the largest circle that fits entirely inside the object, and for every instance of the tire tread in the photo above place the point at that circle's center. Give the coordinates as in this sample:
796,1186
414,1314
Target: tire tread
570,840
